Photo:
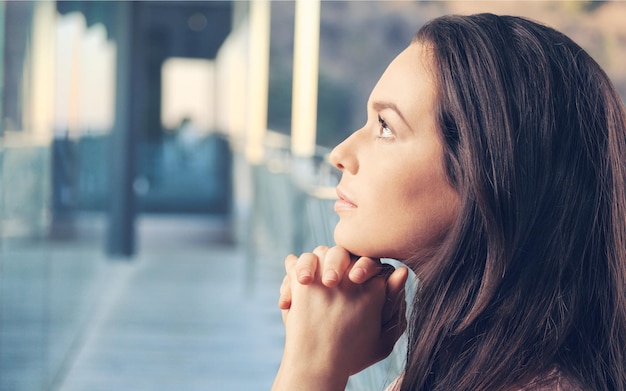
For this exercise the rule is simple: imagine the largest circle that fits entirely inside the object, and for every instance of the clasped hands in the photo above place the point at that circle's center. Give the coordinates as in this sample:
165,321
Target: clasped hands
341,313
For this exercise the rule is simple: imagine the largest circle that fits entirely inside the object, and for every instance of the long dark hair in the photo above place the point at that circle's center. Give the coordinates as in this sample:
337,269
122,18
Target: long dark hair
531,280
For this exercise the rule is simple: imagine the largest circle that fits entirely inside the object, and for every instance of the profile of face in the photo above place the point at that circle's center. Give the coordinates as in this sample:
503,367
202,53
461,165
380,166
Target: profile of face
395,200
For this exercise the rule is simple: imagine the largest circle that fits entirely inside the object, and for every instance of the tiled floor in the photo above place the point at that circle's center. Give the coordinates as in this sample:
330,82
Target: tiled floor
188,313
184,315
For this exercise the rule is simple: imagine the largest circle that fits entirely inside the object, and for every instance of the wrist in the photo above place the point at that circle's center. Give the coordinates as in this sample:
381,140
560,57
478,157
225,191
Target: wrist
299,376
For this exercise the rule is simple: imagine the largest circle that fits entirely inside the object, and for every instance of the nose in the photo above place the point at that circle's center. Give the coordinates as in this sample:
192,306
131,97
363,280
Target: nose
343,156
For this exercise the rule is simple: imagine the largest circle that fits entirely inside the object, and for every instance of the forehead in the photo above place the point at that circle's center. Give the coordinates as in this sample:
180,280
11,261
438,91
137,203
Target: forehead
407,82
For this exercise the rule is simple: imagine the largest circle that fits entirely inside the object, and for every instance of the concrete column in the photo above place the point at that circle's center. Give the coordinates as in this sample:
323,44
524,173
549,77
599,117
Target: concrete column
122,203
258,79
305,78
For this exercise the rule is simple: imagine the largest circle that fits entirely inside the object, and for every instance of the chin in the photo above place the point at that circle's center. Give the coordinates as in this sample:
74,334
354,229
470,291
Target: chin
356,245
349,242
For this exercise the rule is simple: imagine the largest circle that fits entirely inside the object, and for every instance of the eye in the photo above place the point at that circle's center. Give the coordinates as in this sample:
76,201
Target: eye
385,131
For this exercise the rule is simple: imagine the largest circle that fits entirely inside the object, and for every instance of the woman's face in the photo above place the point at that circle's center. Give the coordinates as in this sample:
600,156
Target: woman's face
394,197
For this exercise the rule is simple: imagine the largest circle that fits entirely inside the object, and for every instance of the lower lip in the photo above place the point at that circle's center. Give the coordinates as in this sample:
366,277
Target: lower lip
341,205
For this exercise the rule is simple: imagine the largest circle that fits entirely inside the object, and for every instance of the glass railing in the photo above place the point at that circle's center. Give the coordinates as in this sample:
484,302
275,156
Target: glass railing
48,284
292,212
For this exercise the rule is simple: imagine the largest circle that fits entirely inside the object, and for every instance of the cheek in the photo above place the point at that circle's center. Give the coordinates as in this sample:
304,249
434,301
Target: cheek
430,207
427,223
409,216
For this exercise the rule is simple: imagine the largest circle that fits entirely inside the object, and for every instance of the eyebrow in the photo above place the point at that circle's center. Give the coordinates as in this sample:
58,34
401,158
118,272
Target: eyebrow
383,105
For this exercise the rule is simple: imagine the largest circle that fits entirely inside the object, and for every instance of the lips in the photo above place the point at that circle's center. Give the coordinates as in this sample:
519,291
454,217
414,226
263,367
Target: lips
343,203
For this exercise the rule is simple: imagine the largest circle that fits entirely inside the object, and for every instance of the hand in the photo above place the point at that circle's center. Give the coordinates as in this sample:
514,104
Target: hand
337,261
333,264
333,332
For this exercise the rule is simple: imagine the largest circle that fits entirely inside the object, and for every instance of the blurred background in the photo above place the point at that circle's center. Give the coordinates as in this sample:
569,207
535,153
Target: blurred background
158,159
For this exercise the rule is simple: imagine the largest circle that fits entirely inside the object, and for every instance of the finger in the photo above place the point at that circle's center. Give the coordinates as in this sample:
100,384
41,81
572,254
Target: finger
290,261
395,305
336,262
394,312
284,300
320,251
391,333
364,269
396,283
306,267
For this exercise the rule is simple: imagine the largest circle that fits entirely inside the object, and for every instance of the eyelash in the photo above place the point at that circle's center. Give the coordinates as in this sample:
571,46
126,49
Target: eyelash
385,131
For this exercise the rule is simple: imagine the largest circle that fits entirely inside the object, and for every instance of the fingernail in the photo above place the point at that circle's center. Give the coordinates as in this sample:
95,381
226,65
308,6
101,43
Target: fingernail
357,274
304,275
330,276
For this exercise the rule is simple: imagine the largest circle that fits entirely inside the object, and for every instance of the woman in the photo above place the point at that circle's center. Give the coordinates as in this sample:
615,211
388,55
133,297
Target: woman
493,164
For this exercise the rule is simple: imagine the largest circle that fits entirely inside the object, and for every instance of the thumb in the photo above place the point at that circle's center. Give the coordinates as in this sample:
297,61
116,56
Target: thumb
393,315
397,281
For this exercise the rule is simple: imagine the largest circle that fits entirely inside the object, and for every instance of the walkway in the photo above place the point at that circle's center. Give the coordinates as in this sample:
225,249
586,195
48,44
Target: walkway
184,315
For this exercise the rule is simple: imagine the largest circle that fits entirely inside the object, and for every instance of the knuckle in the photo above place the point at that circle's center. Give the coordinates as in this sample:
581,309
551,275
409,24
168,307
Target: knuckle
373,262
320,249
339,250
306,257
338,256
368,264
306,260
290,259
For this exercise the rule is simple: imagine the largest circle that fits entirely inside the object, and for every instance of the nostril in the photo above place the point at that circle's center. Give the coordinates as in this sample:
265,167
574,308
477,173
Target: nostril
334,159
343,157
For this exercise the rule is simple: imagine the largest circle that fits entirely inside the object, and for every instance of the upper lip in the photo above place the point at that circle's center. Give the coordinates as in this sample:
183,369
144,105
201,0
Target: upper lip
342,196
